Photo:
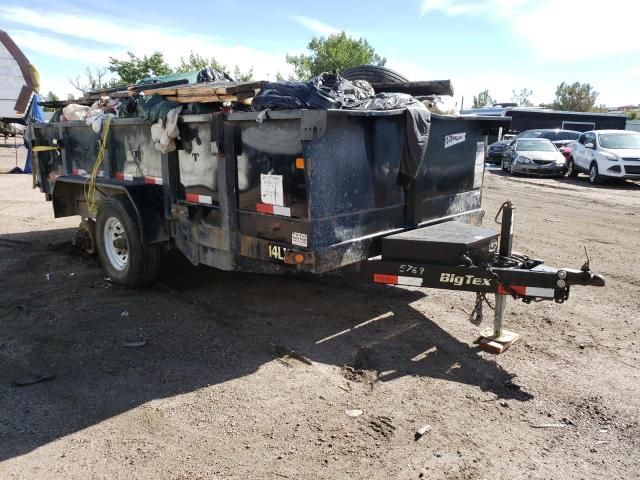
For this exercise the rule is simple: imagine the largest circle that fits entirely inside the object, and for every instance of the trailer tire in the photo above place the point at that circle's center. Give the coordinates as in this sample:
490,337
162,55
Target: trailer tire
373,74
126,259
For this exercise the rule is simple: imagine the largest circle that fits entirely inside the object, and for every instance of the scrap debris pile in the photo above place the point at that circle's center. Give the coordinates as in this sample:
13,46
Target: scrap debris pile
215,91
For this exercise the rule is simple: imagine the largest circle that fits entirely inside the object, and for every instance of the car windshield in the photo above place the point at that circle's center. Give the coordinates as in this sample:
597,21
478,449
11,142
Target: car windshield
535,146
619,140
531,134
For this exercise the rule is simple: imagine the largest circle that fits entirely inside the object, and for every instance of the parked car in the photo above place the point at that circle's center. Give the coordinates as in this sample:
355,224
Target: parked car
533,156
606,154
11,129
557,136
496,150
565,150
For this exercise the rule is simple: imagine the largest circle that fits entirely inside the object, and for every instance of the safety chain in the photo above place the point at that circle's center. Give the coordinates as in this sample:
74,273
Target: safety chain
498,280
476,314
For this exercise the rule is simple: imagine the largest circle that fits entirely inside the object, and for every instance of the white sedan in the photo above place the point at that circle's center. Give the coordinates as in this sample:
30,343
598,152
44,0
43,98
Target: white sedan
606,154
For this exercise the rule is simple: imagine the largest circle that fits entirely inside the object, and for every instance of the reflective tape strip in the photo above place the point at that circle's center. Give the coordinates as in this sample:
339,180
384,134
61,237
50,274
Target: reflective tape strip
153,180
397,280
124,176
195,198
413,281
382,278
540,292
528,291
519,289
273,209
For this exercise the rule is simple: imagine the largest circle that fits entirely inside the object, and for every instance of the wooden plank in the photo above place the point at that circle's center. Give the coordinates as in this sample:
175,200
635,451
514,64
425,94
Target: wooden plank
431,87
202,98
160,91
235,87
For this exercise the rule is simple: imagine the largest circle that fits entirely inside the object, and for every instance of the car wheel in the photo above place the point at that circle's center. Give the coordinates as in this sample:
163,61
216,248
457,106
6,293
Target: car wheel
594,175
571,169
126,259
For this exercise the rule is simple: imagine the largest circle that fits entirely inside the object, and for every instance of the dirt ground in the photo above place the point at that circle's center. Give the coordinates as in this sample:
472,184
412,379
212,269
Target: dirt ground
213,394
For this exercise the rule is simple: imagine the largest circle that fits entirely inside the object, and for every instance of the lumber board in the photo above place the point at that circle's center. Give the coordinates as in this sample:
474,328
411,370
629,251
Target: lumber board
217,88
430,87
202,98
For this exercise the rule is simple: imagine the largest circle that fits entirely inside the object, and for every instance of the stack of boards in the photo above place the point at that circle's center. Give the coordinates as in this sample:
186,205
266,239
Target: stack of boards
214,92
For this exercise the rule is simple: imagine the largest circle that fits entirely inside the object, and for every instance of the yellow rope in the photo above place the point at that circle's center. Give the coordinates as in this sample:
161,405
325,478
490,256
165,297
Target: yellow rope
90,186
43,148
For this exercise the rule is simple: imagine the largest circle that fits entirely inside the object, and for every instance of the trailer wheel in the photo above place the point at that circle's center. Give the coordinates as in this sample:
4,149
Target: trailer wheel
571,169
373,74
126,259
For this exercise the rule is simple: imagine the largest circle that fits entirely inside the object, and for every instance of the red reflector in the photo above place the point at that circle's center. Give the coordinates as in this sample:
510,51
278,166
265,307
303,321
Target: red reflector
382,278
519,289
264,208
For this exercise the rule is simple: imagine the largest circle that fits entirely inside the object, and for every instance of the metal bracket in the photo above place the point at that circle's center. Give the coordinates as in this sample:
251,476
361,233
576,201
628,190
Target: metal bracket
313,124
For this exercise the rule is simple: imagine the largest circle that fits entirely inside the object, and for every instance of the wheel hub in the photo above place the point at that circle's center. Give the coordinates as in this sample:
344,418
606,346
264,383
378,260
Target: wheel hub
116,244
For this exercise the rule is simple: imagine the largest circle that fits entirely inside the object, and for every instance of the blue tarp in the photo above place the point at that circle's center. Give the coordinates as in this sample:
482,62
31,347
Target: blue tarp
36,115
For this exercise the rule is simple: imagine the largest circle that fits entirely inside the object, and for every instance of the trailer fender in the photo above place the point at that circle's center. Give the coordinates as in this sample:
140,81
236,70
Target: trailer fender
68,198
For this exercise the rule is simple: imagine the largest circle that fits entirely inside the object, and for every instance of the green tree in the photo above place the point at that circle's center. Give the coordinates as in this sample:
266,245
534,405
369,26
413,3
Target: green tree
240,76
521,97
337,52
50,97
198,62
483,100
131,70
577,97
633,115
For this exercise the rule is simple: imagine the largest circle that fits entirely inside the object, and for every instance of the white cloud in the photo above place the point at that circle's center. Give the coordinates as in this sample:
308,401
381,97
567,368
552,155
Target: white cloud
59,48
315,26
93,39
561,31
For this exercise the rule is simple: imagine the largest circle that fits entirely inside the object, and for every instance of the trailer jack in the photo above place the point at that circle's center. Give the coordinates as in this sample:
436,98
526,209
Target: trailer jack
499,339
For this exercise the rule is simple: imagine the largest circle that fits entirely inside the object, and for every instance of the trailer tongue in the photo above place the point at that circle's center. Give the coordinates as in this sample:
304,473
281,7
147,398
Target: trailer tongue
459,256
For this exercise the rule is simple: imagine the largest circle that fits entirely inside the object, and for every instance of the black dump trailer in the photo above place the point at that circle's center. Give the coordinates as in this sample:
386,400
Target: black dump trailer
295,191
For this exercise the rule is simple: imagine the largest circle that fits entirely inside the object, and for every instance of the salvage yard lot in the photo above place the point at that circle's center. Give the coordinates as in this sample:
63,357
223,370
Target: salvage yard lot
218,392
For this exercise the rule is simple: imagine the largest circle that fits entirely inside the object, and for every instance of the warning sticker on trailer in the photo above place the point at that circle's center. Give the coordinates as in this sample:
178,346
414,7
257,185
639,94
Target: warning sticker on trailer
271,191
299,239
479,168
454,139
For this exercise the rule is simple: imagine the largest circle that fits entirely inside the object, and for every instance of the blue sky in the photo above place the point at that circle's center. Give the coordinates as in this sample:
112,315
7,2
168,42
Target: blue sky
496,44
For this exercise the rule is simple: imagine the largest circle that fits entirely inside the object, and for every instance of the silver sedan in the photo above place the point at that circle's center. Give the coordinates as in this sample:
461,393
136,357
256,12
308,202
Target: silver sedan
536,156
